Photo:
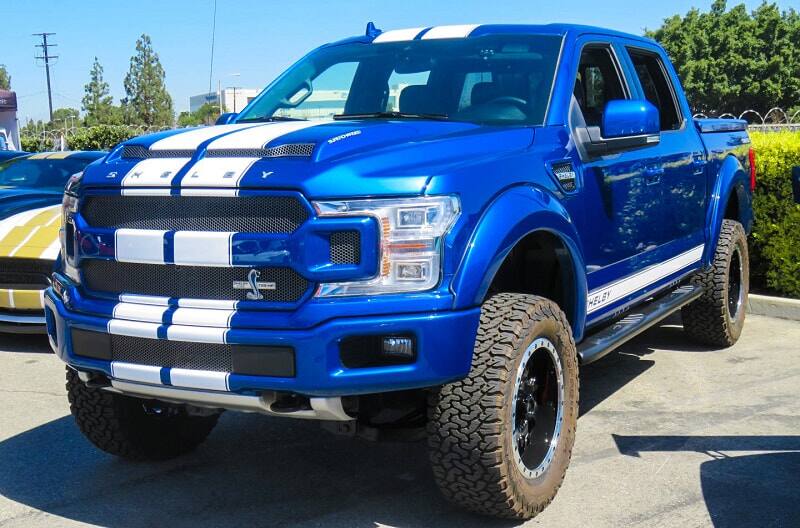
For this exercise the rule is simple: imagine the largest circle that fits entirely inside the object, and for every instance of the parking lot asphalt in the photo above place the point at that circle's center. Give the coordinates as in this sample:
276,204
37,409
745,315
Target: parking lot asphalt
670,434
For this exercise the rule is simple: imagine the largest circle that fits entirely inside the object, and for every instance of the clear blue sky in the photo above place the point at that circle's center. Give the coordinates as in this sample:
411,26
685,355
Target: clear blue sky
257,39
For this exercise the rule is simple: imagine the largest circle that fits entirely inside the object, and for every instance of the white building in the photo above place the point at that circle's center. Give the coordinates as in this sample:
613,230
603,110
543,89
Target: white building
233,99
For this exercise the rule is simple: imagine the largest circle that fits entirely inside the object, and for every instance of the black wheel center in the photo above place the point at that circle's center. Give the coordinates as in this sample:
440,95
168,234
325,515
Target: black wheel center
734,285
536,409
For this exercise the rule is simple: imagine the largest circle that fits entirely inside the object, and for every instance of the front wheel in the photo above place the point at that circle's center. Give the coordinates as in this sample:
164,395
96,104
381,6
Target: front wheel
501,439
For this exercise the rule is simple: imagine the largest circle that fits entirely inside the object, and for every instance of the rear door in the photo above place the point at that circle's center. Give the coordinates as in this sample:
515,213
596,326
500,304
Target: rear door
681,162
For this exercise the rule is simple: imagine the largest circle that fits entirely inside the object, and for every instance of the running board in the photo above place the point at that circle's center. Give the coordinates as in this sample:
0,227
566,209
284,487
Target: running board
606,340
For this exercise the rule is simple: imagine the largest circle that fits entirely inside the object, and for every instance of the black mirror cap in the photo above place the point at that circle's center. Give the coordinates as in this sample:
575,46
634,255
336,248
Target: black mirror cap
226,118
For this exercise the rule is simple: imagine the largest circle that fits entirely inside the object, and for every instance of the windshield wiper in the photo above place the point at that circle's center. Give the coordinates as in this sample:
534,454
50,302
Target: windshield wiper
270,119
391,115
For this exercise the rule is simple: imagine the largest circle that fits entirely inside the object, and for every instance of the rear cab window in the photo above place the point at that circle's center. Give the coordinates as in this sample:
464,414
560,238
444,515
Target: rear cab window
656,86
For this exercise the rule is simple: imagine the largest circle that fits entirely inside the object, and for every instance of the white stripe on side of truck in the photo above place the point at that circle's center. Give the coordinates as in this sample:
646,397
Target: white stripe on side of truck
622,288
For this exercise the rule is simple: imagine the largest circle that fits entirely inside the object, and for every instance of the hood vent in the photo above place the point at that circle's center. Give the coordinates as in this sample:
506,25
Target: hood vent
141,152
289,150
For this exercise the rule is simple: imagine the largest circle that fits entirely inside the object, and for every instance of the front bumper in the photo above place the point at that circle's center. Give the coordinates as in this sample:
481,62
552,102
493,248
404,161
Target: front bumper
444,341
21,311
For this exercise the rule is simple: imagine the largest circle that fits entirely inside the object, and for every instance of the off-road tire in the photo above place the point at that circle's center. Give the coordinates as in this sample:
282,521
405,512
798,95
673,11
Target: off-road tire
708,320
121,426
470,424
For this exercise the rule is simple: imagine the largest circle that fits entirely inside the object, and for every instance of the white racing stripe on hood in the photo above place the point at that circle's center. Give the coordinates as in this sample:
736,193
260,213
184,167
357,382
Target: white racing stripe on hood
257,137
153,172
217,172
443,32
192,139
228,172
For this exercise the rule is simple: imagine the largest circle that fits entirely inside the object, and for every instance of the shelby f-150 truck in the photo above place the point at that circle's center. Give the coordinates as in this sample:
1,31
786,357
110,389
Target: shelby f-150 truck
417,230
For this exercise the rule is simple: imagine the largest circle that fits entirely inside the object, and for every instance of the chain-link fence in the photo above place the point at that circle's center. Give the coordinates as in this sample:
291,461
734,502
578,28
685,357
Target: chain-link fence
774,119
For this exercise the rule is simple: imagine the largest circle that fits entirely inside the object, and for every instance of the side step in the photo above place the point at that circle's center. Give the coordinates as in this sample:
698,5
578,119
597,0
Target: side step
606,340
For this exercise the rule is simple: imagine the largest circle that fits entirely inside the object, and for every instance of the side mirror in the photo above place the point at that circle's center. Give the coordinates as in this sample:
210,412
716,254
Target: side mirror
796,184
226,118
627,124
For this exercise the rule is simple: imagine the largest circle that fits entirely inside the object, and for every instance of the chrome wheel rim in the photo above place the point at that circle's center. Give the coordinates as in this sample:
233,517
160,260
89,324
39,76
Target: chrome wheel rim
735,284
537,409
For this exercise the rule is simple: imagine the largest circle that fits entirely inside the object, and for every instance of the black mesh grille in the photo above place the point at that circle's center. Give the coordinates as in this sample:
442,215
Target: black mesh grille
243,214
300,150
174,354
141,152
25,274
346,247
197,282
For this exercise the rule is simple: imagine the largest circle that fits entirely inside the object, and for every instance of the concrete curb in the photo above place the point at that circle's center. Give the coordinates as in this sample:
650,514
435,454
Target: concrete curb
774,307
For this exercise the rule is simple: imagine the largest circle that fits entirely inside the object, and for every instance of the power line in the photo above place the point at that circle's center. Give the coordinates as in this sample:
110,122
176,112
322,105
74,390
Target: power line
47,58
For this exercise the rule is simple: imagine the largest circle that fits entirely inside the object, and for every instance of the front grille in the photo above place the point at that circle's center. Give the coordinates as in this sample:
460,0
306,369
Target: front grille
193,282
173,354
25,274
242,214
253,360
346,247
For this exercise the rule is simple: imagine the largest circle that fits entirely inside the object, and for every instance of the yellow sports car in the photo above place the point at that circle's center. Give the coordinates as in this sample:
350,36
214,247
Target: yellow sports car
31,187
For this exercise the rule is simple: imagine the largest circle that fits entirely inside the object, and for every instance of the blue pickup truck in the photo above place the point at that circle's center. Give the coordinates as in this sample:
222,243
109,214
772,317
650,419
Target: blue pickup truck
416,231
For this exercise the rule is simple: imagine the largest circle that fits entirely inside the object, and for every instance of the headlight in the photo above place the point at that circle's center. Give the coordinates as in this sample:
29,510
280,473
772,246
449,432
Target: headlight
69,206
411,231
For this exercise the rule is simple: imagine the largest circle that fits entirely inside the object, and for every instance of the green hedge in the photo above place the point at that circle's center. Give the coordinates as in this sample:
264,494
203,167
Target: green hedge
100,137
775,242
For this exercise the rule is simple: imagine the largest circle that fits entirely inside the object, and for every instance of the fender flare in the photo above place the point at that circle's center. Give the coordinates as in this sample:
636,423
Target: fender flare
510,217
732,181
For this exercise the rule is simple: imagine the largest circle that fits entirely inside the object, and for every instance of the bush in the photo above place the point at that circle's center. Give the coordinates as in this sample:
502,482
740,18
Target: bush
775,242
100,137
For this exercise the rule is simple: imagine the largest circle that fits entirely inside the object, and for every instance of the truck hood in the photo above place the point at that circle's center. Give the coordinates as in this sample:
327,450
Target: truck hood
320,159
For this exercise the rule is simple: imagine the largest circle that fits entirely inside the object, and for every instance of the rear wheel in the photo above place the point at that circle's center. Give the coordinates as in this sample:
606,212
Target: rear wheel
501,439
717,317
134,428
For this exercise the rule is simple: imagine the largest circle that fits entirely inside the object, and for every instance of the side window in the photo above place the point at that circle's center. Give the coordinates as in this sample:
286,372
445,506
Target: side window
657,87
598,82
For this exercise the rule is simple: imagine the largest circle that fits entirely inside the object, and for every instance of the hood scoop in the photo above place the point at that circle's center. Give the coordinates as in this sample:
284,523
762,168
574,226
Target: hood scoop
288,150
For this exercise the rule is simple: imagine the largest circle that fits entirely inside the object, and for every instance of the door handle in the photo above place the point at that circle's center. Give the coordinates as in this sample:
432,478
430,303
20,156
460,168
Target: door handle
653,174
699,163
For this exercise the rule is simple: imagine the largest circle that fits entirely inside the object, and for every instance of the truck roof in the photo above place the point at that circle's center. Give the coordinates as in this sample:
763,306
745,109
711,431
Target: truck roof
477,30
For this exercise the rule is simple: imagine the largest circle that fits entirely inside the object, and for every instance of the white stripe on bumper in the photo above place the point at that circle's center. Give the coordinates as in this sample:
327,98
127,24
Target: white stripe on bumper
203,248
139,245
133,372
198,379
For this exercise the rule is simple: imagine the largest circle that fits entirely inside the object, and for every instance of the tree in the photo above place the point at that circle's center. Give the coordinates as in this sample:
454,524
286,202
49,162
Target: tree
732,60
205,115
64,117
147,101
97,102
5,78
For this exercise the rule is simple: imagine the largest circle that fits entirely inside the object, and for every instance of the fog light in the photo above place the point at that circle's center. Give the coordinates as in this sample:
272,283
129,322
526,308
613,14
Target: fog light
398,347
411,271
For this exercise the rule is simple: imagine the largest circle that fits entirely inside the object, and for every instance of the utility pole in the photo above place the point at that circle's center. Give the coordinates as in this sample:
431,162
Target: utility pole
47,58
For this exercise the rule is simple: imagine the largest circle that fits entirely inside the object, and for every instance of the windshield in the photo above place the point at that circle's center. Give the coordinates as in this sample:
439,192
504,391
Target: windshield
45,174
495,79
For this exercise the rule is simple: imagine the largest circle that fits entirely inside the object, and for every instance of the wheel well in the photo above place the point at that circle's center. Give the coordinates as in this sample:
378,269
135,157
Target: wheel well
539,264
732,207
